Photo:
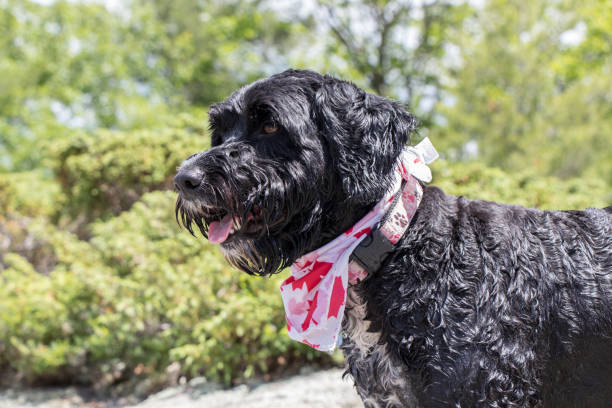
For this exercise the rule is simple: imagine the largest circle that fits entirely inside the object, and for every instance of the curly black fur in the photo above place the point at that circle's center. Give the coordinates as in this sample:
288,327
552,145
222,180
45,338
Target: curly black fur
481,304
334,150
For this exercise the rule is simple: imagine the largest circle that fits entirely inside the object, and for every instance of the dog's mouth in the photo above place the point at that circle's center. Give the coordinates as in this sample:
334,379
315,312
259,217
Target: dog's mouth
218,224
226,226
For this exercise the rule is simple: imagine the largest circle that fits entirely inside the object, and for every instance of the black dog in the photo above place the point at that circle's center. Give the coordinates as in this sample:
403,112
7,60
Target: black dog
479,305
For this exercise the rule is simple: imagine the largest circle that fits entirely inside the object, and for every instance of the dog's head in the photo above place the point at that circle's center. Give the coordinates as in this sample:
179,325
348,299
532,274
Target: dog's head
296,159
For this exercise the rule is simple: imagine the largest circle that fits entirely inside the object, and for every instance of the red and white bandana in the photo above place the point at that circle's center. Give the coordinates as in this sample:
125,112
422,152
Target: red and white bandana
315,294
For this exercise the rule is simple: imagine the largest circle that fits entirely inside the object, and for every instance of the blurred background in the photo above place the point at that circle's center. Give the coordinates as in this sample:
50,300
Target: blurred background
101,100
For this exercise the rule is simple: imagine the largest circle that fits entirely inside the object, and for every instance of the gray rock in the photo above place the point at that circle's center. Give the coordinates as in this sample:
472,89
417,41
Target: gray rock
321,389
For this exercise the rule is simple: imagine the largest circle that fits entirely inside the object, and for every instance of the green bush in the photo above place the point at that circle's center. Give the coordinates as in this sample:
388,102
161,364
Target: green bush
44,317
105,172
31,194
140,296
143,299
474,180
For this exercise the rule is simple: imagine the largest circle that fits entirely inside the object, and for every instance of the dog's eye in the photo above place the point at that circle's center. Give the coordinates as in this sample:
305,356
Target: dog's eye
270,127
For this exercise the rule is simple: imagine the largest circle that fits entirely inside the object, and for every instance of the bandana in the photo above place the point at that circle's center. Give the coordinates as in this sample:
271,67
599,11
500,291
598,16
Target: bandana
315,294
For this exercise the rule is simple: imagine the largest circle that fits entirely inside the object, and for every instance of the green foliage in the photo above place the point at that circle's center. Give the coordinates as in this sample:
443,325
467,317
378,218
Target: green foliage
77,65
594,52
526,96
58,73
200,312
98,284
391,47
43,315
33,193
199,43
525,188
107,171
141,295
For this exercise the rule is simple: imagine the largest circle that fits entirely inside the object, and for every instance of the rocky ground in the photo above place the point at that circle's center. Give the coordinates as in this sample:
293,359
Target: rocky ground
313,390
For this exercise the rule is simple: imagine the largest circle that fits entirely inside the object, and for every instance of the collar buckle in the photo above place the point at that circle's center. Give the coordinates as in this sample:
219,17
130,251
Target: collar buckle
372,251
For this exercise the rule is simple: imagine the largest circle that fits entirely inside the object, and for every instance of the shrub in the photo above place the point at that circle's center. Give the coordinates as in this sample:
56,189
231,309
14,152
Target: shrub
25,197
139,297
211,319
43,317
474,180
31,194
105,172
143,299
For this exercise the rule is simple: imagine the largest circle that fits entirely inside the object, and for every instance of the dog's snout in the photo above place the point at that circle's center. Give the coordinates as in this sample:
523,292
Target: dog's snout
188,180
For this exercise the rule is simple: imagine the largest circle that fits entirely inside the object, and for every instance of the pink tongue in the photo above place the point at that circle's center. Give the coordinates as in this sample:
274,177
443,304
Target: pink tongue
219,230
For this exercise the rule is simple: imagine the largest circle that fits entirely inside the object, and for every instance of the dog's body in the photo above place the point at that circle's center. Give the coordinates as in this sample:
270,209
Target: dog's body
480,304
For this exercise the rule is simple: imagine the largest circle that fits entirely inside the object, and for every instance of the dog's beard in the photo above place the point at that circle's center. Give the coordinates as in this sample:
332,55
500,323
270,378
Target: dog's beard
273,221
247,245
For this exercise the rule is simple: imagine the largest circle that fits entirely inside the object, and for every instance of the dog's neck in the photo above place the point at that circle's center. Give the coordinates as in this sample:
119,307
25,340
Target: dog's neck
352,211
413,161
336,227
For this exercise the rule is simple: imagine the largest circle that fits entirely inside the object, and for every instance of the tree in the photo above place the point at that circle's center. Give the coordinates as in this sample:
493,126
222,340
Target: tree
70,66
391,47
67,66
526,95
210,48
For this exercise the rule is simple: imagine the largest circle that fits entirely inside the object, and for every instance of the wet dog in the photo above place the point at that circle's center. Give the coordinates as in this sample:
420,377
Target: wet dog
479,304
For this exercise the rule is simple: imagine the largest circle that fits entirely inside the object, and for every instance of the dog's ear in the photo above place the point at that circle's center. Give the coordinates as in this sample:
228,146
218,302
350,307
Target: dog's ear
364,133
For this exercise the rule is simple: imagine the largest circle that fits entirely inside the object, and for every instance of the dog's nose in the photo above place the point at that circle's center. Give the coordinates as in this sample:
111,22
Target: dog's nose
188,180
